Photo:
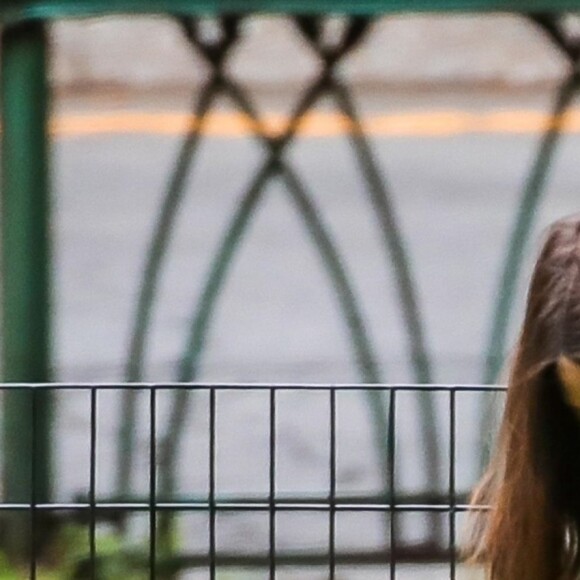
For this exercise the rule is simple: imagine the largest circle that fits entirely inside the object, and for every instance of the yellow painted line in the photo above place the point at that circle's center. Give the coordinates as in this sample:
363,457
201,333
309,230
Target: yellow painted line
319,124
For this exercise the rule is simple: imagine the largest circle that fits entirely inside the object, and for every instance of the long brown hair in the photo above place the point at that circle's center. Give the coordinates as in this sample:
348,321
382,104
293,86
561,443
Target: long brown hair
532,529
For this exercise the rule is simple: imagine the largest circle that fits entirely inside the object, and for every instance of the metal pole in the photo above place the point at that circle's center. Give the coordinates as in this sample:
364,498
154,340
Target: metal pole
25,265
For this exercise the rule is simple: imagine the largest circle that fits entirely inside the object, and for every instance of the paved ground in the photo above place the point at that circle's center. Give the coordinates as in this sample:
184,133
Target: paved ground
278,321
455,196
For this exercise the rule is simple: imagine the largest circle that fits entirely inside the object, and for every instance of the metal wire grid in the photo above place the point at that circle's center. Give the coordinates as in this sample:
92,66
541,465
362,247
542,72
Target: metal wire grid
92,510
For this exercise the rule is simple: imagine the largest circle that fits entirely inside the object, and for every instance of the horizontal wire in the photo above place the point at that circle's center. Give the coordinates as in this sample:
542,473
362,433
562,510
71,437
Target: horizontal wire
255,387
422,553
244,507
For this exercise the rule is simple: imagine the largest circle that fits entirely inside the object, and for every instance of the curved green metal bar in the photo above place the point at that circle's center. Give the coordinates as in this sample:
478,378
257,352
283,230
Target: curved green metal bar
521,231
206,305
395,251
519,239
150,282
323,240
243,213
338,277
189,366
158,247
366,360
392,238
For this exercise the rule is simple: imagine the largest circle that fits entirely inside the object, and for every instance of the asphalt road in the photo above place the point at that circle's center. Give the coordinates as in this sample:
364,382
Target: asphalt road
455,192
454,195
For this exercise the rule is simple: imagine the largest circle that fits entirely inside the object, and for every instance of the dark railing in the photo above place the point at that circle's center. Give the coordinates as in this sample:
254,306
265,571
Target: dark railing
94,509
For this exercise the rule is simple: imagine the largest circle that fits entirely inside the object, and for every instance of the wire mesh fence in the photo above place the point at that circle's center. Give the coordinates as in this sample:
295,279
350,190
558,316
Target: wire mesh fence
275,480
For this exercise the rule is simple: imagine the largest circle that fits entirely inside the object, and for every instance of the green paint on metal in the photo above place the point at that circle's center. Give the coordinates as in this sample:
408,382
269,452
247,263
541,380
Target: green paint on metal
216,53
26,307
205,306
398,256
212,291
518,243
18,10
521,232
189,366
149,287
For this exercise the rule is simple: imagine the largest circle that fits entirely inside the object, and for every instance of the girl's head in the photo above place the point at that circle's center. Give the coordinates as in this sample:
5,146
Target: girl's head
532,531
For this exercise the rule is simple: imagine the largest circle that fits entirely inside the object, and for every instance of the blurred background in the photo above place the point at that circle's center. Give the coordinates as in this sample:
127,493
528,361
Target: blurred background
369,246
453,108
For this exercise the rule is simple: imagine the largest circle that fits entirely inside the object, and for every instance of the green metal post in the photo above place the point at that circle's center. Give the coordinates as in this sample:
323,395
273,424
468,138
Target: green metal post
25,266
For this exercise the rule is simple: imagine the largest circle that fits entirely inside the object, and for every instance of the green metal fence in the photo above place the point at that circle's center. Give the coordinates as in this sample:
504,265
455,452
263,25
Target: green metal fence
284,530
26,249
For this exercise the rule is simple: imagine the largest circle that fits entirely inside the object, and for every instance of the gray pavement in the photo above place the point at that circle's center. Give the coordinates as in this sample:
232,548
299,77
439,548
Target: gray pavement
278,320
455,198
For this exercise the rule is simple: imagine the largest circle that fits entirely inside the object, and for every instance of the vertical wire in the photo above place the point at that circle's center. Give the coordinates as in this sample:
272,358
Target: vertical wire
392,501
152,483
33,498
92,485
332,514
212,482
452,492
272,491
